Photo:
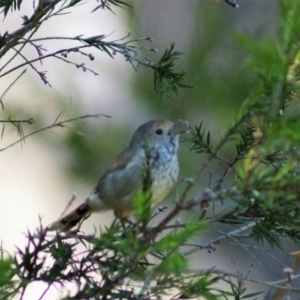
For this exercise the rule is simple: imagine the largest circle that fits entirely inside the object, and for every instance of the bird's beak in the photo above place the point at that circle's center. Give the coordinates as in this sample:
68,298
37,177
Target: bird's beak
180,126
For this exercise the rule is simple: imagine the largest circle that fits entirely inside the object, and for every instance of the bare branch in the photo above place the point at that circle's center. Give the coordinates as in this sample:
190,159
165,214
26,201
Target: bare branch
1,102
58,124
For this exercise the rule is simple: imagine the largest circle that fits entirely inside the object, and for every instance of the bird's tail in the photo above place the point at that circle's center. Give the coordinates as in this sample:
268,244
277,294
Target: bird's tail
72,219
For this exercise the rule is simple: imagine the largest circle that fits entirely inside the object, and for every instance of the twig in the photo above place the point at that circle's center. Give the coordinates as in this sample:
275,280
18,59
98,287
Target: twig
181,205
45,291
208,161
122,48
82,66
1,102
27,40
241,245
29,121
36,19
277,284
59,124
221,238
53,54
41,74
255,247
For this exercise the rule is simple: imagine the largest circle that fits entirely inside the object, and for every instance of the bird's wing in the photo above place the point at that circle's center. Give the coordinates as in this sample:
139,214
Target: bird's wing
122,179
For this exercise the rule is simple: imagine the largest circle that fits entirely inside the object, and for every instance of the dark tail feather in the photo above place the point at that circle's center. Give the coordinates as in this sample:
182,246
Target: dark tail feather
71,219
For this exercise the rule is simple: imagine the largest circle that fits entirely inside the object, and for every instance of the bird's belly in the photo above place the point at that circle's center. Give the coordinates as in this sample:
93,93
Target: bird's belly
163,184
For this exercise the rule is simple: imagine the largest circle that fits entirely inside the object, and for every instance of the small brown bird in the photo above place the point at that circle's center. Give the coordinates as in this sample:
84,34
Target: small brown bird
153,151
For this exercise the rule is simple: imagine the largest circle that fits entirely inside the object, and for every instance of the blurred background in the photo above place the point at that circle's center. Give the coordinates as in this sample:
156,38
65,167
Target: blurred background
39,178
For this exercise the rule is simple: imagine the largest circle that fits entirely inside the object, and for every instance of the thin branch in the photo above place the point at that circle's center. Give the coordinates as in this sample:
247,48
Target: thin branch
278,283
23,44
126,49
14,37
241,244
53,54
1,102
96,41
45,291
79,66
220,239
58,124
254,247
41,74
29,121
231,131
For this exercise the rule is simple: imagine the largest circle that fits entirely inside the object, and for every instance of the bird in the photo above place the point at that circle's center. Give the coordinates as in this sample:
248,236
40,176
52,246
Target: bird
149,163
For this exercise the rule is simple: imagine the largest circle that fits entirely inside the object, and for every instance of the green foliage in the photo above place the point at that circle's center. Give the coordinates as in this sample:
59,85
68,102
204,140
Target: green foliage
202,286
289,28
10,4
238,291
259,187
171,265
269,63
265,138
165,78
142,206
122,262
171,242
201,144
7,272
106,4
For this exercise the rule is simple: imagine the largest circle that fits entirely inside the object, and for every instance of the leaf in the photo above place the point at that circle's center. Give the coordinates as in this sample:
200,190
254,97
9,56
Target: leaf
59,116
165,78
142,206
3,129
172,264
173,240
200,143
10,4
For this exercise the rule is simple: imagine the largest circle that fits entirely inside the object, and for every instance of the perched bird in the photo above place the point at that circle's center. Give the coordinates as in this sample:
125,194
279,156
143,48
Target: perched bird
148,163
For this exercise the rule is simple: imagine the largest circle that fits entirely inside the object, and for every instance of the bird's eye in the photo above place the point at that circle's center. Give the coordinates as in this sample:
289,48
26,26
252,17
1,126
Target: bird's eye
159,131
